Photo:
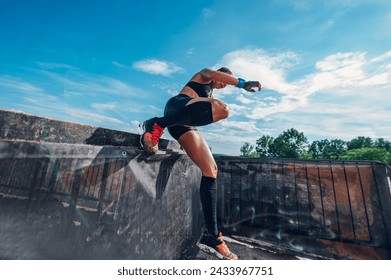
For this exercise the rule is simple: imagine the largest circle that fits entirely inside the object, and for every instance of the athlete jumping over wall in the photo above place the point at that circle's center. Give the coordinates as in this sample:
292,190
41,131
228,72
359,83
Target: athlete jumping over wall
195,106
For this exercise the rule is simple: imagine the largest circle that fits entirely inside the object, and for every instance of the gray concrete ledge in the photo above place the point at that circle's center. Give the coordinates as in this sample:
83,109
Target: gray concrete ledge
21,126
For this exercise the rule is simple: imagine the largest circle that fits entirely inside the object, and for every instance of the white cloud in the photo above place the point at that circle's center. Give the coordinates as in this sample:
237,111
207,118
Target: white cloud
52,66
345,72
270,98
302,4
287,104
157,67
235,109
119,65
85,84
171,88
91,117
382,57
343,65
244,100
341,71
190,52
378,79
327,25
345,97
67,94
104,106
239,126
344,119
9,83
259,65
207,13
228,144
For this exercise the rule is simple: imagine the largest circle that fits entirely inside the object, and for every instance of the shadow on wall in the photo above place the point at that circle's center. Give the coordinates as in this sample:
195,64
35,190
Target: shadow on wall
83,202
102,137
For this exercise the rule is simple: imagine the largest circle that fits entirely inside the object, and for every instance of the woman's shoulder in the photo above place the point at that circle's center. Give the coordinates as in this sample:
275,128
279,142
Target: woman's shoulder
203,76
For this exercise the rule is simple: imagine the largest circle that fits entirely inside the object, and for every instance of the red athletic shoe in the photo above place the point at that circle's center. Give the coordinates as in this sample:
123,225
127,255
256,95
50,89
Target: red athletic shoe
216,244
149,140
224,250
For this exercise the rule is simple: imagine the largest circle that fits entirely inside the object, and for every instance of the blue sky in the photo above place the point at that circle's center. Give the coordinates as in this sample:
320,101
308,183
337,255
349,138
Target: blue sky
325,65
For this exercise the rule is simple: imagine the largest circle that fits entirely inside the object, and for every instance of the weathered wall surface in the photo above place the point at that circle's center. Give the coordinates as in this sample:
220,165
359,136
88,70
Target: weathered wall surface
34,128
89,193
333,200
70,201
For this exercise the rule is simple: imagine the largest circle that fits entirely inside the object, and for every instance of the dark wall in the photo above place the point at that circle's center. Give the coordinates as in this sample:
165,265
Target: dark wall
346,201
69,201
90,193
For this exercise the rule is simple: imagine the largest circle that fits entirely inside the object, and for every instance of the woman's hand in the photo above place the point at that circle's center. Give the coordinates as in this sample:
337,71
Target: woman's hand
252,84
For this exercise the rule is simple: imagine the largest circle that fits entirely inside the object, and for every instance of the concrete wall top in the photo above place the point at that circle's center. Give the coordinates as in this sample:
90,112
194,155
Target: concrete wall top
21,126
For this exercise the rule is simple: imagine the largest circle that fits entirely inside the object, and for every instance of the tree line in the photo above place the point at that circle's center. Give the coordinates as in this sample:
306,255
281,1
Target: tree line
294,144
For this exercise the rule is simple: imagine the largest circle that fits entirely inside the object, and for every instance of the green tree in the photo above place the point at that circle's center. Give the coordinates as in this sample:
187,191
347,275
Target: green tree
264,146
326,149
360,142
368,154
316,149
335,149
382,144
247,150
289,144
293,144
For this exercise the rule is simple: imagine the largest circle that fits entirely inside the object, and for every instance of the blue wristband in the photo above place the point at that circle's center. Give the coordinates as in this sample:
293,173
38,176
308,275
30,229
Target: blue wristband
241,83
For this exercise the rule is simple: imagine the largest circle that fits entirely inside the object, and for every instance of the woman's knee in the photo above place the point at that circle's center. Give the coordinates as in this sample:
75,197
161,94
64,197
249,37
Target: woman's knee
211,171
220,110
225,111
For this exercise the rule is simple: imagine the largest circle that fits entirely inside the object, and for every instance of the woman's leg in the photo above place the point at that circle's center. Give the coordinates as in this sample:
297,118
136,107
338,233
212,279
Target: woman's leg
197,149
197,112
219,109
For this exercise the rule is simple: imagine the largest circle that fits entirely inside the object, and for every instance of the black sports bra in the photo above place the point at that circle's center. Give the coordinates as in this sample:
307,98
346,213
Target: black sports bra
203,90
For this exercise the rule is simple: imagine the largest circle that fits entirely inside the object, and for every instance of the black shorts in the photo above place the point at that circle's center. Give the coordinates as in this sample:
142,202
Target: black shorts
172,106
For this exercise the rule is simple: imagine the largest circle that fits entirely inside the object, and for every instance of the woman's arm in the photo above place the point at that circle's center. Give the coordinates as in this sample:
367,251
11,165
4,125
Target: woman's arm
207,75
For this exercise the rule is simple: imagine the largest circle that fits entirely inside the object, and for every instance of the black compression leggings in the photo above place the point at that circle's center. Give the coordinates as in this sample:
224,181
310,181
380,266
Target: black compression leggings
208,194
177,113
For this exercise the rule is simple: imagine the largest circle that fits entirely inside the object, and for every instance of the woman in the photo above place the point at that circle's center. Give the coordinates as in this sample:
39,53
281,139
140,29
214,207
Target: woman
195,106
